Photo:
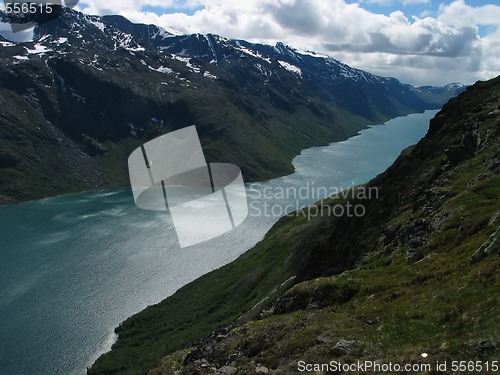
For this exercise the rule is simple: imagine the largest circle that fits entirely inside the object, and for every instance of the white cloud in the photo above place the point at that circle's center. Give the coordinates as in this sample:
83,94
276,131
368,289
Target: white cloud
458,13
424,50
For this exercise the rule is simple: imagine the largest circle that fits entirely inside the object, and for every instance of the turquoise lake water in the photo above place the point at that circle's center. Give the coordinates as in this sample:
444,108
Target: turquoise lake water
73,267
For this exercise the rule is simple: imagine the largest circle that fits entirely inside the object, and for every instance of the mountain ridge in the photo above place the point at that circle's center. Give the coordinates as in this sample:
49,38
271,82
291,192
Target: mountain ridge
88,90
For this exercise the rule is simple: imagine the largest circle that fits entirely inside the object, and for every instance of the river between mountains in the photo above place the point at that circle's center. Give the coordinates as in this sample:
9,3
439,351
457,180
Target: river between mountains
73,267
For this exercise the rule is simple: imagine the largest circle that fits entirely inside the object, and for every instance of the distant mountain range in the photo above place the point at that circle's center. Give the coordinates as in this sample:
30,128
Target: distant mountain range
88,90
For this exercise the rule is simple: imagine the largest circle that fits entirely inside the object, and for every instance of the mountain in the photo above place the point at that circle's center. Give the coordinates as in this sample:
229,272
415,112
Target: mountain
440,93
418,273
88,90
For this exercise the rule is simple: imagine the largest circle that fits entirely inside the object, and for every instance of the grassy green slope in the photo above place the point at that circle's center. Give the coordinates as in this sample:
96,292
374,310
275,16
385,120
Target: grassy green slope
418,273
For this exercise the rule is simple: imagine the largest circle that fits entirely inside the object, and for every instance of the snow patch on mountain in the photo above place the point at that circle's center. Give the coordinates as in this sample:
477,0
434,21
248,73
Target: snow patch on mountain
44,38
61,40
95,63
186,60
291,68
38,49
212,48
310,53
126,41
163,69
97,23
135,49
162,33
209,75
263,70
250,52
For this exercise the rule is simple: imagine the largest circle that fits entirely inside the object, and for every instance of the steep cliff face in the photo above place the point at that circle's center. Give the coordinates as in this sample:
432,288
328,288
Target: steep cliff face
418,273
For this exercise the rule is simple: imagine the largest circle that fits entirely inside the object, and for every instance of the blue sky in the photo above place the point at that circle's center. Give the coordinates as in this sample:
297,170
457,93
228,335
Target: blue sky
159,10
416,41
